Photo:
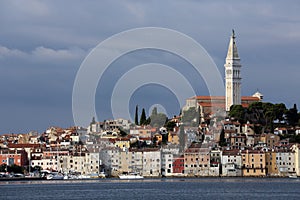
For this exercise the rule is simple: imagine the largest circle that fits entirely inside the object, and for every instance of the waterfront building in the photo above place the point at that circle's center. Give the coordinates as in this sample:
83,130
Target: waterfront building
125,161
178,165
151,161
271,164
196,160
285,160
167,159
296,149
215,162
231,163
27,147
253,163
110,158
13,157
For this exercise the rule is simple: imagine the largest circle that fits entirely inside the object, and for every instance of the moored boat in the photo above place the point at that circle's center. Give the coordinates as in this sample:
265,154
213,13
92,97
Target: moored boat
55,176
130,176
293,176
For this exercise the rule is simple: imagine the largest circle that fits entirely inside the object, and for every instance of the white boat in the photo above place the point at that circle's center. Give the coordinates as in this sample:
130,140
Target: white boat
84,176
130,176
55,176
293,176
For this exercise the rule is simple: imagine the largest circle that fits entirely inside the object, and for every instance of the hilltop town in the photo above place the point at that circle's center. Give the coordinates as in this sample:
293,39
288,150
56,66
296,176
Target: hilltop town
220,148
229,135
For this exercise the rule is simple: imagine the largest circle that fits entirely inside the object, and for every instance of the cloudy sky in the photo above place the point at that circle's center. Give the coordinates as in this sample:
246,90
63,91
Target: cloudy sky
43,43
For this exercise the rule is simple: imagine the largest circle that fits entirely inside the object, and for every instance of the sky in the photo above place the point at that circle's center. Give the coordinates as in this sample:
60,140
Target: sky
44,43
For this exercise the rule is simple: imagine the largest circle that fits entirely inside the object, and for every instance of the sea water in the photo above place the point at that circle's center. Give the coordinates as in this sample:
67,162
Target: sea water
154,189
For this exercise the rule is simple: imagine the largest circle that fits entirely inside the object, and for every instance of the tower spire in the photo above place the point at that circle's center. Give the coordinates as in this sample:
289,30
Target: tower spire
232,49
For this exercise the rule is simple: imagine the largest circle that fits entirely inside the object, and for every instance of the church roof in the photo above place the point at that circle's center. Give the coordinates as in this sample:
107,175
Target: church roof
232,49
212,98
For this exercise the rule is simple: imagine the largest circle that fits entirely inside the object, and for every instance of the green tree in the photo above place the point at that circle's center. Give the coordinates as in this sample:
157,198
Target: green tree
237,112
123,133
170,125
3,167
292,116
143,119
136,117
148,121
222,141
15,168
280,110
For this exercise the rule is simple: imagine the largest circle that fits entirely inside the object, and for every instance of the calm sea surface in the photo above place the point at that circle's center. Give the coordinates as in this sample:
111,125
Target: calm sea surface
154,189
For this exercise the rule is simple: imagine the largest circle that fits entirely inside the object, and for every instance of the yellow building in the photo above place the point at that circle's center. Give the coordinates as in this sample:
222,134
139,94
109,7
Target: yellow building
253,162
158,137
121,142
271,166
173,138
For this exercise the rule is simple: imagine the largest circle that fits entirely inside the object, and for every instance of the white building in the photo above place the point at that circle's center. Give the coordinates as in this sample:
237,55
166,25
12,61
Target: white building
151,162
285,160
110,158
231,162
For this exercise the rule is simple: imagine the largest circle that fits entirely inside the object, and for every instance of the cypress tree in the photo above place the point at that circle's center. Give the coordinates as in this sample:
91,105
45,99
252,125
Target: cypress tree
143,118
136,117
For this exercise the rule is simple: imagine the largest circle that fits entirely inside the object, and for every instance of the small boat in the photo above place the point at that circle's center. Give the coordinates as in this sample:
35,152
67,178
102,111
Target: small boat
55,176
102,175
130,176
82,176
293,176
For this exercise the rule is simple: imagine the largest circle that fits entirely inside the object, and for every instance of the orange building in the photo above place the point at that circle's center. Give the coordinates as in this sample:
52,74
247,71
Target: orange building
18,157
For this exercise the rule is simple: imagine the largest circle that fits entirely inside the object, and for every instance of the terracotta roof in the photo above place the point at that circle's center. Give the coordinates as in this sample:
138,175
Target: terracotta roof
219,105
231,152
10,145
207,104
245,98
250,98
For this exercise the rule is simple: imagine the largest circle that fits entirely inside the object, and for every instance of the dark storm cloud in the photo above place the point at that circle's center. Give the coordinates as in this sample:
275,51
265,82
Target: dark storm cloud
42,44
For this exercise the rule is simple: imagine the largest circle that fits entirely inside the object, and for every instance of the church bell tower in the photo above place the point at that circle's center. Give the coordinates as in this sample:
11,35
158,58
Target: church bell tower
232,75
